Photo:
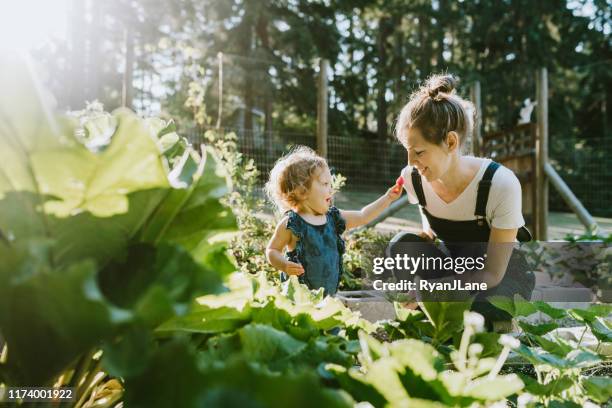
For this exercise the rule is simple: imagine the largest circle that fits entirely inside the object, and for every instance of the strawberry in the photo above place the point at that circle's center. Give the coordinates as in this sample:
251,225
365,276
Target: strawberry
398,184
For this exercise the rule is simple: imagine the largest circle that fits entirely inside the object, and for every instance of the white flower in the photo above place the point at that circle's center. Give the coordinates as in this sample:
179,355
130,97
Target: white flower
524,399
475,349
474,320
509,341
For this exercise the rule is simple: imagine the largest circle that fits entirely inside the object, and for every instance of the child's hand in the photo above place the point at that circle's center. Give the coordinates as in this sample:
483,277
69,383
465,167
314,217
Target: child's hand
292,268
399,183
395,192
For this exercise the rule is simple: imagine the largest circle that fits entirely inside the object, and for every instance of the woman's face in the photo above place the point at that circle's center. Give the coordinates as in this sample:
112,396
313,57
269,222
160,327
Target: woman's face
431,160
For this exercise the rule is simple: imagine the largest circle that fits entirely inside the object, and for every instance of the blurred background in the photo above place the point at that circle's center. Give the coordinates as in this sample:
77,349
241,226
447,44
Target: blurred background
252,67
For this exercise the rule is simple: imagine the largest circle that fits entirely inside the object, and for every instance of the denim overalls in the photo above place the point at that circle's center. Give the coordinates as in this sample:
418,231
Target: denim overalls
319,250
457,236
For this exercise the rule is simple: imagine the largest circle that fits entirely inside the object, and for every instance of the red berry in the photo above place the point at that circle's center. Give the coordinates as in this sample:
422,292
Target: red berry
399,181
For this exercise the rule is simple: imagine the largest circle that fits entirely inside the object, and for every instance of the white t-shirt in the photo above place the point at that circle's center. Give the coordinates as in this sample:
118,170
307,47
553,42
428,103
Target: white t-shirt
503,207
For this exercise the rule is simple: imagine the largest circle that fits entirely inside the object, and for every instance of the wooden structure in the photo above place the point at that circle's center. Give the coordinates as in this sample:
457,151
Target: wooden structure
515,149
524,150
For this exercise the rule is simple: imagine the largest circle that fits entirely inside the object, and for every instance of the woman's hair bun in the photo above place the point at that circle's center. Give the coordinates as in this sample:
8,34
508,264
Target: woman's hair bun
440,84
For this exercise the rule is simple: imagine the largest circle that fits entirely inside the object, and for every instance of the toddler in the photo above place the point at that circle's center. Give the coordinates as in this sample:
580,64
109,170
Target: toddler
311,230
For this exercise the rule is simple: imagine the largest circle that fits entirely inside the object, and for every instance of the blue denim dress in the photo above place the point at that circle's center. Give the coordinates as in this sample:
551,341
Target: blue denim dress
319,250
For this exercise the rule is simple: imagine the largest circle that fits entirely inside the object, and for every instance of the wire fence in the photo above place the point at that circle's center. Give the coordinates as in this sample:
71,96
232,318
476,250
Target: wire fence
373,165
368,164
584,164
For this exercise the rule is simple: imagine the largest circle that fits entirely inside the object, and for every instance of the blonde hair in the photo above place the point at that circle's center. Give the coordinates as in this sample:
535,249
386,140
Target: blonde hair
291,177
435,109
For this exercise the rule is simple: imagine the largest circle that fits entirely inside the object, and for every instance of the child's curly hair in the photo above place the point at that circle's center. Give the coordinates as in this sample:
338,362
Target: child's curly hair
291,177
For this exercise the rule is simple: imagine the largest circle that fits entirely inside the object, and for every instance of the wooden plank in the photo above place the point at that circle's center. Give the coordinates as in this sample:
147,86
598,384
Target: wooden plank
542,155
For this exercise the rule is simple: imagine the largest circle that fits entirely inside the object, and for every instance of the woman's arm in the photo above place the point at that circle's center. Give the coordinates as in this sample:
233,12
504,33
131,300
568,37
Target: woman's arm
371,211
499,251
281,238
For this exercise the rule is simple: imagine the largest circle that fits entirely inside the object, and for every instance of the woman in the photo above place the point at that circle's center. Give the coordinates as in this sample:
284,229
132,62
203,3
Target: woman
463,199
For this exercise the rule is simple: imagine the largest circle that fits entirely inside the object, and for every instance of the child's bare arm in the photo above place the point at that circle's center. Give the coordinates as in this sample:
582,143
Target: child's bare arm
274,251
371,211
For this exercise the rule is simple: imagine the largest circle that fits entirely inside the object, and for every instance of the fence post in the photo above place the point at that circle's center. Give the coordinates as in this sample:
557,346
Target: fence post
322,109
541,216
220,109
475,145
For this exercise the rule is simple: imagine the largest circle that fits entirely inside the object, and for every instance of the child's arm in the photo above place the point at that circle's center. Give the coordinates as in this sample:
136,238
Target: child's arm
274,251
371,211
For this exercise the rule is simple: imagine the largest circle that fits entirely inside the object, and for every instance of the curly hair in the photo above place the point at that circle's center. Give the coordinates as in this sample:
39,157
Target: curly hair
435,109
291,177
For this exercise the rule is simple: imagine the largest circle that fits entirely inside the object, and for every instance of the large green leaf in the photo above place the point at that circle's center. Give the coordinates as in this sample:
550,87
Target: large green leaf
177,375
218,320
49,316
190,215
267,345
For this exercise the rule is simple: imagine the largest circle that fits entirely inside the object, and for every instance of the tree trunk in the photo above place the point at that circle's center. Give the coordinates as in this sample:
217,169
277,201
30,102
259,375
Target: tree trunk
384,31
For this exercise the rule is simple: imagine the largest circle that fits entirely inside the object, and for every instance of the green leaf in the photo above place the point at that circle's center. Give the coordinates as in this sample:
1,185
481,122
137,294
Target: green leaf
219,320
553,388
598,388
355,383
47,332
445,317
489,342
515,307
601,310
547,309
556,345
538,329
419,357
601,329
384,376
577,358
266,344
191,215
493,389
167,270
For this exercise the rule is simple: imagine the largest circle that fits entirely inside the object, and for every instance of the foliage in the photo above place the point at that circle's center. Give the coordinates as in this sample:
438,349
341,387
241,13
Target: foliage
584,259
99,240
561,366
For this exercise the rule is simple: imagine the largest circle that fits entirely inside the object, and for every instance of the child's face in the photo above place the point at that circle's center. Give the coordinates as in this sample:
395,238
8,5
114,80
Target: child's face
318,198
431,160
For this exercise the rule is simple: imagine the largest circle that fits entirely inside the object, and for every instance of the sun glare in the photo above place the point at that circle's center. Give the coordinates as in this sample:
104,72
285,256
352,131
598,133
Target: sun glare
28,24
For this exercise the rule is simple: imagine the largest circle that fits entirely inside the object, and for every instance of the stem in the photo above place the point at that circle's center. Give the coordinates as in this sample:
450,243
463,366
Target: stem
582,335
463,347
499,363
598,345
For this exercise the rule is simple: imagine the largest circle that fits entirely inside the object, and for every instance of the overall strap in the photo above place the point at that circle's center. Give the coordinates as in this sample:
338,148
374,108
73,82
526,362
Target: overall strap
483,189
418,187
